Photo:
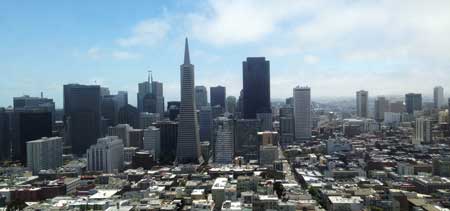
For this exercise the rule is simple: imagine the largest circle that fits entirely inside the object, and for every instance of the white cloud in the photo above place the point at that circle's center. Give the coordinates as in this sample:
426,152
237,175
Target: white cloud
125,55
310,59
146,33
94,53
372,30
395,43
234,22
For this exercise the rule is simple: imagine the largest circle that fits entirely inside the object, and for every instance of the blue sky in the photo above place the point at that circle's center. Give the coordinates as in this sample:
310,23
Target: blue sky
335,47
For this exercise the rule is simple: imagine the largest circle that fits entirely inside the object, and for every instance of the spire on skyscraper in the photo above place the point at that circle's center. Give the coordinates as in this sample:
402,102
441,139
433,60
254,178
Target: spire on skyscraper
188,145
187,59
150,76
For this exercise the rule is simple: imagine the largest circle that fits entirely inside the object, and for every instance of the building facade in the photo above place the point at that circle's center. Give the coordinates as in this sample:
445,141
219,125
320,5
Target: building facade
152,141
201,96
246,138
381,106
82,113
362,104
302,113
106,155
256,87
218,95
438,97
413,102
188,149
224,143
45,153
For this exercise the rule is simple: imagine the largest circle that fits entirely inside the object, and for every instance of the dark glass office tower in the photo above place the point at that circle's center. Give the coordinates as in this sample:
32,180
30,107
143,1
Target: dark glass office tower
129,115
168,136
413,102
110,109
29,125
173,108
157,91
256,79
218,95
144,89
5,143
82,111
27,102
205,123
149,103
246,138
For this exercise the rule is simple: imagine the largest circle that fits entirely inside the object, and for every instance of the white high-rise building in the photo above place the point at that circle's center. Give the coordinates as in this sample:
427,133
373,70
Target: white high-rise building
302,113
362,104
122,131
45,153
423,131
438,96
152,141
224,150
107,155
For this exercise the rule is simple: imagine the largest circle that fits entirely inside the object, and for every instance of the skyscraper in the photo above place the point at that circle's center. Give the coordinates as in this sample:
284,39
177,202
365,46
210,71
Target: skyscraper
218,95
205,123
362,104
173,108
381,106
422,131
147,119
110,109
111,105
438,97
256,83
224,142
397,107
188,149
246,138
45,153
287,125
413,102
302,113
157,92
27,102
29,125
266,121
149,103
129,115
122,98
169,137
144,89
201,96
82,111
5,141
122,131
152,141
231,104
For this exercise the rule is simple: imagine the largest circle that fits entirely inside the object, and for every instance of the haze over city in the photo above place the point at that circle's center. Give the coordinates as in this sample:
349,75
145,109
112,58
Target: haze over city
334,47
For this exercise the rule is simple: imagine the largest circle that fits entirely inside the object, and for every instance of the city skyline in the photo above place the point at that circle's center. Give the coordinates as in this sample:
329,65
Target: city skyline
117,49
